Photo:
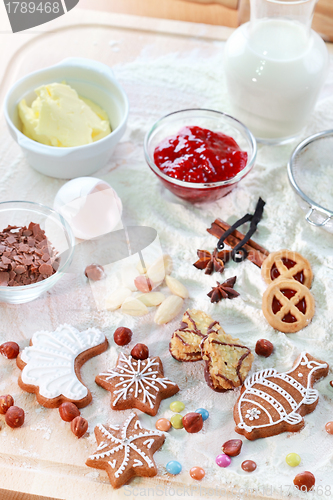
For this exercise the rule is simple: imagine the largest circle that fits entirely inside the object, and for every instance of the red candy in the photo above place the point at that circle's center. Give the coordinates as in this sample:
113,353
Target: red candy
305,481
200,155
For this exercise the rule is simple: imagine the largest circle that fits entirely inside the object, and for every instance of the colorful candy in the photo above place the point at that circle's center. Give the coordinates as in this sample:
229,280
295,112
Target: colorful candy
173,467
223,460
204,413
293,459
197,473
329,427
177,421
163,424
305,481
177,406
249,466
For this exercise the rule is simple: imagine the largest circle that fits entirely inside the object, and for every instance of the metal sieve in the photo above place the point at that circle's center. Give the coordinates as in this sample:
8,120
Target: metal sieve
310,172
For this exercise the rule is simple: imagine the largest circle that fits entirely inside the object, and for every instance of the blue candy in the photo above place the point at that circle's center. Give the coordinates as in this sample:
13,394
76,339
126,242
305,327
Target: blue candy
204,413
173,467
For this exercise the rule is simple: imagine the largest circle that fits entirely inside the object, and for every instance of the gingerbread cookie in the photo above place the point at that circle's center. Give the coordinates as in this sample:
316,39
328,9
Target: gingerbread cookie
288,265
227,361
134,383
185,342
272,402
51,364
125,452
288,305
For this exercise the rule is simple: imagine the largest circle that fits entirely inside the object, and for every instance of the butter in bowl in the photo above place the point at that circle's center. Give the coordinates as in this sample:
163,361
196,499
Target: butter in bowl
67,118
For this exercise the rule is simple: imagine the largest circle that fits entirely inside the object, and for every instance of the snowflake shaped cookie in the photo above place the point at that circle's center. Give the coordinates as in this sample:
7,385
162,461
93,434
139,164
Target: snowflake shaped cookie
51,364
137,384
125,452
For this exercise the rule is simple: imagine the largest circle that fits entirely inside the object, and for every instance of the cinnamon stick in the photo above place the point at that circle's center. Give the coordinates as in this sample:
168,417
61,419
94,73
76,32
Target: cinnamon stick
256,253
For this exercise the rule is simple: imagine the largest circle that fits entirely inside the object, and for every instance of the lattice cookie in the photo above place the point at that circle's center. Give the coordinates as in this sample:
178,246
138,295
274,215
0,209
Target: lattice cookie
287,265
185,342
227,361
287,305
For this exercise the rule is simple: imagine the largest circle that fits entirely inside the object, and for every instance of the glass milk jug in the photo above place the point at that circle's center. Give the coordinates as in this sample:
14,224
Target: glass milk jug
275,67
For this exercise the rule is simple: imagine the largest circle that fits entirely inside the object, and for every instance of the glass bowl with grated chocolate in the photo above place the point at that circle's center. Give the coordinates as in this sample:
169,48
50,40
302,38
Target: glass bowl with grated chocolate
36,248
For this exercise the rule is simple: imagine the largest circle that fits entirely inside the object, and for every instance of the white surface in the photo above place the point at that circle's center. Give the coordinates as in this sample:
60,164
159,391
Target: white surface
163,75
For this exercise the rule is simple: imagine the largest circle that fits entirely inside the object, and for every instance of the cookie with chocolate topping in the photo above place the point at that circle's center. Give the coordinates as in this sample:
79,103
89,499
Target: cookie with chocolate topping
228,361
185,342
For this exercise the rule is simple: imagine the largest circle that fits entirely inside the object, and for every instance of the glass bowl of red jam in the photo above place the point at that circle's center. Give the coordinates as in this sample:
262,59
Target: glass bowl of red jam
200,155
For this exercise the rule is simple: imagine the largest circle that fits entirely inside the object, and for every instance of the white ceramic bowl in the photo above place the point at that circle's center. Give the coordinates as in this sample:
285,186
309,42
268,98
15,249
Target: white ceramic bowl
91,79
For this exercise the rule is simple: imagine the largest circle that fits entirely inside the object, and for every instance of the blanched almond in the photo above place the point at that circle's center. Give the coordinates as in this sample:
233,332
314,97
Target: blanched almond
134,307
160,268
168,310
176,287
151,299
115,300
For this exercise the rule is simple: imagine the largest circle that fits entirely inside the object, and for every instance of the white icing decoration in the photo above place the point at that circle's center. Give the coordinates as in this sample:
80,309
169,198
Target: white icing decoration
137,463
148,443
113,463
253,413
136,375
270,378
127,443
51,357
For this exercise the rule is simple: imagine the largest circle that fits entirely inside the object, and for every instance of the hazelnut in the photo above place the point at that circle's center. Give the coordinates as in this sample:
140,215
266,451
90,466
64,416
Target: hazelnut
140,351
305,481
122,336
264,348
94,272
10,350
143,283
5,403
14,417
193,422
68,411
79,426
233,447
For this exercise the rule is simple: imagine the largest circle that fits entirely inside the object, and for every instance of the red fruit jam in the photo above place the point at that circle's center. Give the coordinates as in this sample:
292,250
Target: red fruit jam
196,154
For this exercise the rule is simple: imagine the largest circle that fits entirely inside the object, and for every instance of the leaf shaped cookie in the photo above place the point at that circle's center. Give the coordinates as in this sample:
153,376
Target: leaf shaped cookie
51,364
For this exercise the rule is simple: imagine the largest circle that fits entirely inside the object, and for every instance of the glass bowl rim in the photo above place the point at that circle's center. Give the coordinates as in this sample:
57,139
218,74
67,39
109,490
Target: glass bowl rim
300,147
201,185
68,260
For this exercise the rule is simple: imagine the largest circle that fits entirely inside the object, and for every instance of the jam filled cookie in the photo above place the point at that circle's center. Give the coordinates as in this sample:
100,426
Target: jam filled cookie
272,402
227,361
287,265
134,383
125,451
51,365
287,305
185,342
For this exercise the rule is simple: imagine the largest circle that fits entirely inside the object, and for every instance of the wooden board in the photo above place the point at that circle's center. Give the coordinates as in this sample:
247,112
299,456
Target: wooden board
75,35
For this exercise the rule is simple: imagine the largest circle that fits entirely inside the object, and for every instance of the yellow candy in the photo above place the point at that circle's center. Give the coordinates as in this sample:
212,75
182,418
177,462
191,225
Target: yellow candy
177,406
293,459
177,421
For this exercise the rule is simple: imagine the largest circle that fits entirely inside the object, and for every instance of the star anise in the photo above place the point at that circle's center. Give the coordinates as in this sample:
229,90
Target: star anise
212,261
223,290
